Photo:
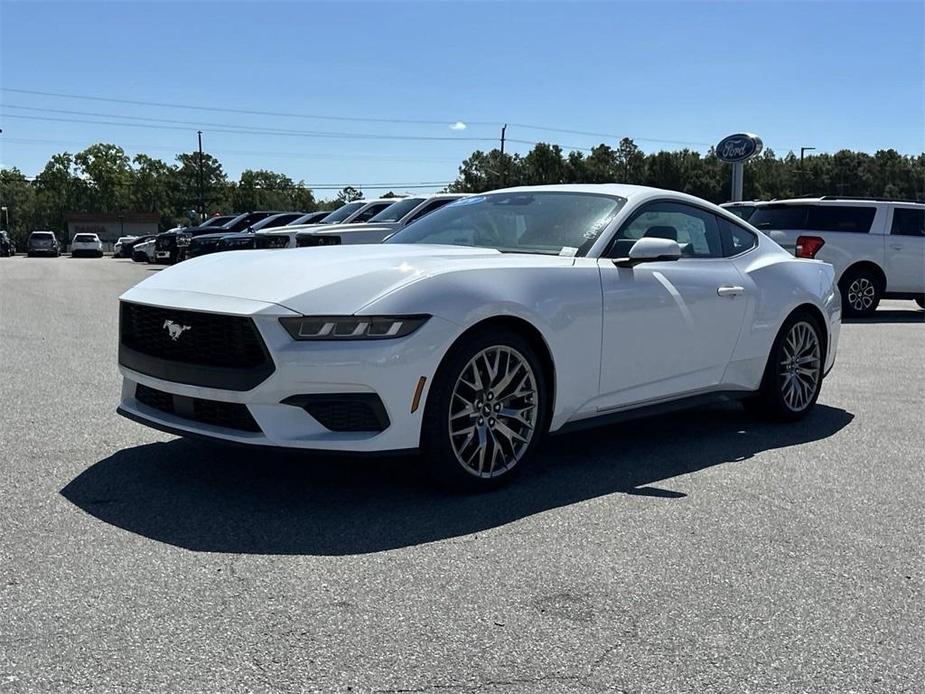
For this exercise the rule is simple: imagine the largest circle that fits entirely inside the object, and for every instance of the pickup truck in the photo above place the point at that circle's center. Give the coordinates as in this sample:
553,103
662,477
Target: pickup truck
382,225
171,246
876,246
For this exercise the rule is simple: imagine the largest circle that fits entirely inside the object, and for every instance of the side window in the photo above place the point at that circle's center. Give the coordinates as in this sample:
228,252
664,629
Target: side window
695,230
370,212
736,239
430,207
833,218
908,222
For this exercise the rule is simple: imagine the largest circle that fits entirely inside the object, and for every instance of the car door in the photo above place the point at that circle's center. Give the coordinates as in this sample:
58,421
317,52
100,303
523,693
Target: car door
669,327
905,251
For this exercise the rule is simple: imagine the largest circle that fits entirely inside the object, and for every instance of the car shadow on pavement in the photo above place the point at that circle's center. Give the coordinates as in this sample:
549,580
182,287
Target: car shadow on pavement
215,498
889,316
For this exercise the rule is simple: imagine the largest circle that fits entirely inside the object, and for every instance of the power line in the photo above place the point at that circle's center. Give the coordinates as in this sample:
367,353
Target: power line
227,127
357,119
607,135
242,152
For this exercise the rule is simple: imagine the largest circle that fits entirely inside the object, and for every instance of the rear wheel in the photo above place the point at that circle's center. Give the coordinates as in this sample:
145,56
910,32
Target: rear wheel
861,289
486,411
793,375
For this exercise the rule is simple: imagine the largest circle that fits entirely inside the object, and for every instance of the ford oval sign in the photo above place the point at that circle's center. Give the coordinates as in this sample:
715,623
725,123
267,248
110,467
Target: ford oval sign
739,147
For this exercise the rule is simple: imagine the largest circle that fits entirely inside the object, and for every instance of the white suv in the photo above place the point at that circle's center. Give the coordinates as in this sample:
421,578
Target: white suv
876,246
86,244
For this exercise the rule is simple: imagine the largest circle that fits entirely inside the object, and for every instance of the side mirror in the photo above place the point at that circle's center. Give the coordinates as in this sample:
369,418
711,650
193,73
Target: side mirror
648,250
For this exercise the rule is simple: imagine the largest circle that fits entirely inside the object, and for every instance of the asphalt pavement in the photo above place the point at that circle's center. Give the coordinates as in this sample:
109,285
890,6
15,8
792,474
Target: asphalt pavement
702,551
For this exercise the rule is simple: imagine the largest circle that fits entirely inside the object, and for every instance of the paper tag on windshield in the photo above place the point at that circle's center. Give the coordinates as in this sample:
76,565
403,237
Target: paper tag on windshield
568,252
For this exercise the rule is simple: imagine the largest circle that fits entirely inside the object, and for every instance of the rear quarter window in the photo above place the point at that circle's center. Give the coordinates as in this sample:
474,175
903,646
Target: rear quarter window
908,222
844,218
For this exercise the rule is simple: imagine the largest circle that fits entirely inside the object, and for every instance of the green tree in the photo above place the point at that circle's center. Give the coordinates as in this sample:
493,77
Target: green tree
349,194
17,195
216,190
105,168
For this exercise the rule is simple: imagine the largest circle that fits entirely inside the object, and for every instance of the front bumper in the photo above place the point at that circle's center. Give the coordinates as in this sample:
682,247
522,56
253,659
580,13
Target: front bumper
390,369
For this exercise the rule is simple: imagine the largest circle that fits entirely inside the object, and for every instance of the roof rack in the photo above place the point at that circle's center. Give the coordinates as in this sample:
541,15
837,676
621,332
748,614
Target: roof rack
868,199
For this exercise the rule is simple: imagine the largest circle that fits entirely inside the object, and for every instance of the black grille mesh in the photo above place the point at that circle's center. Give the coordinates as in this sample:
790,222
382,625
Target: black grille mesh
345,415
310,241
230,415
267,241
209,340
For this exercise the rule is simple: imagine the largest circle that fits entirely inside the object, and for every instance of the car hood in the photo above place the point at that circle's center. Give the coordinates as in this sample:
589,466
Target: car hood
334,280
213,237
347,228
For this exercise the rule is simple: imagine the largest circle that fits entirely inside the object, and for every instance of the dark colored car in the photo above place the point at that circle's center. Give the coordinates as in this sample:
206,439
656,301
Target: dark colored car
7,248
242,240
42,243
310,218
171,246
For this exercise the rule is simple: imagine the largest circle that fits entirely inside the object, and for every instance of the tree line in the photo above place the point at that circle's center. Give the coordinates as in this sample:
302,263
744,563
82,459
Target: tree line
103,178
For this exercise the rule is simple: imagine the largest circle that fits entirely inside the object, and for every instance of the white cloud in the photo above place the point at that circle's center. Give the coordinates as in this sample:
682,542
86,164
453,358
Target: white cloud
458,125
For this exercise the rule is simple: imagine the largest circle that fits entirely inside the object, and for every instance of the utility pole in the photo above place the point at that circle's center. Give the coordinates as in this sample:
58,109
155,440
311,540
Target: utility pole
802,151
503,162
202,203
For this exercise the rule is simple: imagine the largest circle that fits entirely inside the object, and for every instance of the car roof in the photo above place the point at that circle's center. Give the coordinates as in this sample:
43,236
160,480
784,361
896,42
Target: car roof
834,200
632,193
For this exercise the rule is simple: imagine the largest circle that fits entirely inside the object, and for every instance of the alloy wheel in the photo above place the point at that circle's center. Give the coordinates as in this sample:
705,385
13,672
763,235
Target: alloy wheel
861,293
800,366
493,411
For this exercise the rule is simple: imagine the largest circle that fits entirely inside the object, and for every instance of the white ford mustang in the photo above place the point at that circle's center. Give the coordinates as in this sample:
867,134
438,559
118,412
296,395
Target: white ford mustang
478,329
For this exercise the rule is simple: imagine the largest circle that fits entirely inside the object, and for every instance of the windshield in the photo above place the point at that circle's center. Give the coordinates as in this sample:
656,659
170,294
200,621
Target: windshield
341,213
552,223
393,213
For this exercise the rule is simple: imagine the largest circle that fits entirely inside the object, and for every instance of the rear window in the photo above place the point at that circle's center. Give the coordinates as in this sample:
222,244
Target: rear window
41,235
85,238
814,218
907,222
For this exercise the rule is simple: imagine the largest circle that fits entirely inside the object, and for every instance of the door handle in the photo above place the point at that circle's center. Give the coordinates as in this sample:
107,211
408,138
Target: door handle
730,291
896,246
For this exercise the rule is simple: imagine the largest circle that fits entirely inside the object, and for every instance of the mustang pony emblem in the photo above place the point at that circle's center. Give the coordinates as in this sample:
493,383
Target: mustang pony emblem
175,329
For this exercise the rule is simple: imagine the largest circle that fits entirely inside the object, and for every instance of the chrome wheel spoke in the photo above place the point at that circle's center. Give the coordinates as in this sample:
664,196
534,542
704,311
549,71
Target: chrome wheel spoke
800,366
493,411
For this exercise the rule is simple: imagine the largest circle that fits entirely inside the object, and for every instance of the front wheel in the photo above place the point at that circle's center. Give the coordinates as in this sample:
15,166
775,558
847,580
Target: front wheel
793,375
486,411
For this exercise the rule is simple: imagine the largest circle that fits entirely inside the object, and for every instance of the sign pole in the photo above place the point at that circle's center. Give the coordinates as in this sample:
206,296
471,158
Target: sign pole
738,178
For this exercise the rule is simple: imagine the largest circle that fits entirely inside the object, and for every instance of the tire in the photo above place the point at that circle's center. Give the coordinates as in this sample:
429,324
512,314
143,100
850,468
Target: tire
451,445
921,301
793,375
861,291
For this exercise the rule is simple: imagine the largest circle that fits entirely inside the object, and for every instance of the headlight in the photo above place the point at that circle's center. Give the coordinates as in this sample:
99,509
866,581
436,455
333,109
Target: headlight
351,327
183,240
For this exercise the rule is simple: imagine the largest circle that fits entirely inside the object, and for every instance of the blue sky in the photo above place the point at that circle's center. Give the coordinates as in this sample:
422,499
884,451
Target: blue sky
826,74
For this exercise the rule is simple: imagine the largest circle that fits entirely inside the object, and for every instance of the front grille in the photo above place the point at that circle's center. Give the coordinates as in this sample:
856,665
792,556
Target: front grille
267,241
311,241
230,415
344,411
204,349
165,243
207,339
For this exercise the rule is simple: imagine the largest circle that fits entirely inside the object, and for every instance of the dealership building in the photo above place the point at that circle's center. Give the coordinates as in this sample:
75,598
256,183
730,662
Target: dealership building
109,227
